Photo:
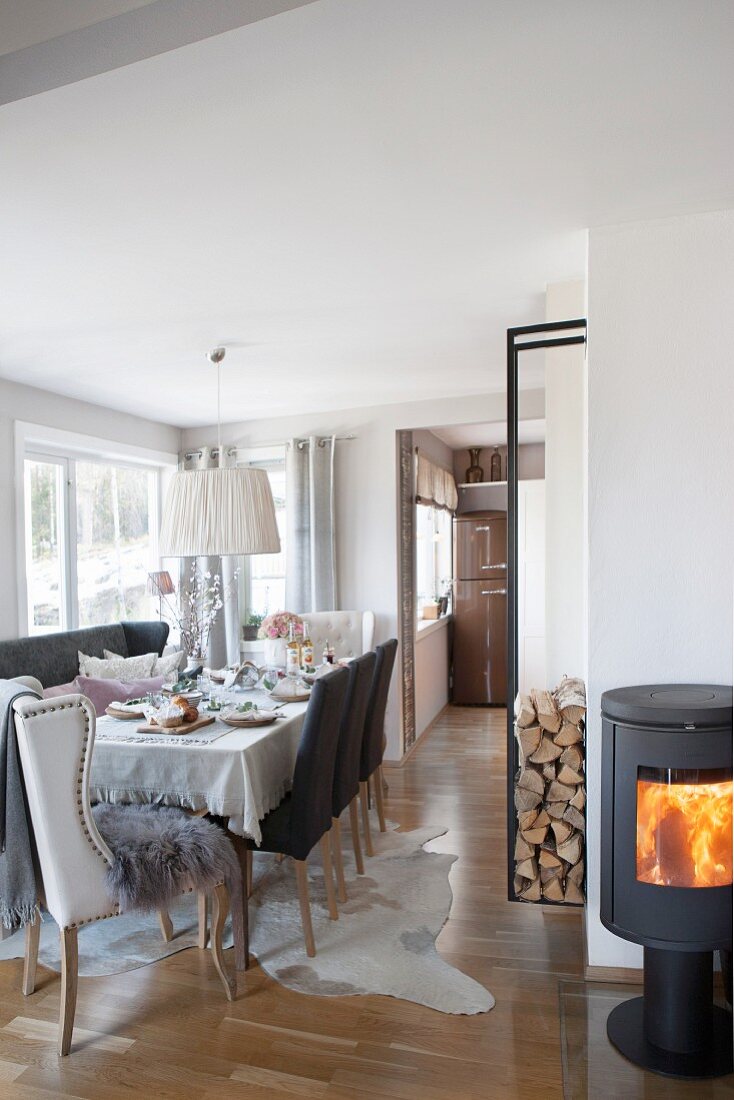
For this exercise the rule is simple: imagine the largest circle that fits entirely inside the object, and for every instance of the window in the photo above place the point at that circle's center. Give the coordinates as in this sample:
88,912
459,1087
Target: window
433,552
44,483
263,575
116,532
91,531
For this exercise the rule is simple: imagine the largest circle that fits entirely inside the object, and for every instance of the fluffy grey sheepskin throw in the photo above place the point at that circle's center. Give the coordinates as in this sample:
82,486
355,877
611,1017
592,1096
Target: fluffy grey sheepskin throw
161,851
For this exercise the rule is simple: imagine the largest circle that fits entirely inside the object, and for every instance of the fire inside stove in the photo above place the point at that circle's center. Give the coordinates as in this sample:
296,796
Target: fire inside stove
684,827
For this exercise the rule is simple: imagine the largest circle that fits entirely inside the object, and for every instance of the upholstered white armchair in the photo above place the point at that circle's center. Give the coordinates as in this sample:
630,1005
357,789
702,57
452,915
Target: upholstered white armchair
351,633
55,742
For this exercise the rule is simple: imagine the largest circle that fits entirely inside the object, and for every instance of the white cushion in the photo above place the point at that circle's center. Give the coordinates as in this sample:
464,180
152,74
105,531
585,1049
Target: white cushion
30,682
169,662
117,668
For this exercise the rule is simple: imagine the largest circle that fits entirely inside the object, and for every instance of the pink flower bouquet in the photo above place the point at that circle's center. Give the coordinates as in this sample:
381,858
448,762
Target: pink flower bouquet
278,624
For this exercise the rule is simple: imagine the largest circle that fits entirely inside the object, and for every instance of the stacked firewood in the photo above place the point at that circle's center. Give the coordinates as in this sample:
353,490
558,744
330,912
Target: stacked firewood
550,794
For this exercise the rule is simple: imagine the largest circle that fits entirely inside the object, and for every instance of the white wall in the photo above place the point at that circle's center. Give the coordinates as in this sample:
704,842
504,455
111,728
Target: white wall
431,674
565,478
41,407
366,497
660,470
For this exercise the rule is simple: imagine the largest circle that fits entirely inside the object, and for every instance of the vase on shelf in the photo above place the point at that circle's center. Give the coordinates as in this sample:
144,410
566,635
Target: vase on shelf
474,472
495,466
275,652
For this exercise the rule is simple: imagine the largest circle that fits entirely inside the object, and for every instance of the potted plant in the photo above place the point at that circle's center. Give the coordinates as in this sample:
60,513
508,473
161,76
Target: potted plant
253,623
275,630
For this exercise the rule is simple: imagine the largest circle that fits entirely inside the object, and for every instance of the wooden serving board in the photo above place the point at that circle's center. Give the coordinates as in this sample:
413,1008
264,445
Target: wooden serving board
178,731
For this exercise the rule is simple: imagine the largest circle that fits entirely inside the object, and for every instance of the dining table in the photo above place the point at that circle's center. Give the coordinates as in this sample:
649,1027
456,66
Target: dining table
237,774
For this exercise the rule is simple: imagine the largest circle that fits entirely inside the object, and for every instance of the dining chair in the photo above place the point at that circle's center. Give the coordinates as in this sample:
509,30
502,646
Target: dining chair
373,741
303,818
55,743
346,769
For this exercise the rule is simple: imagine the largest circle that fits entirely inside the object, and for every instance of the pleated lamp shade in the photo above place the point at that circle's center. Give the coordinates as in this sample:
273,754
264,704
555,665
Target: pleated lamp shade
219,512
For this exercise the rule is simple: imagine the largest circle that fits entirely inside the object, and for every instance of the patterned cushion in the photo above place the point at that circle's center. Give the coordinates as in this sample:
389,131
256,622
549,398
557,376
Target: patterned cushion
169,662
118,668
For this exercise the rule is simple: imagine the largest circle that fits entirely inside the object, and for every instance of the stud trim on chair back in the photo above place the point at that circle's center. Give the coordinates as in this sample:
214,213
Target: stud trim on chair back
55,742
313,776
351,732
374,728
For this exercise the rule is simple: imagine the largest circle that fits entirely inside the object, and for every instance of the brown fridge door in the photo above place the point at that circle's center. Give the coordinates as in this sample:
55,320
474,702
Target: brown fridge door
481,546
480,642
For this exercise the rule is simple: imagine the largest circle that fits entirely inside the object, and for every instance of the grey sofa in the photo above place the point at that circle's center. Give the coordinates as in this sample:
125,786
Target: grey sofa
53,658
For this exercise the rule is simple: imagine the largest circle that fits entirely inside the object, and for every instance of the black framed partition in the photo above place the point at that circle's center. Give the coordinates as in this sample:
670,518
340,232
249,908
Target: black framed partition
551,334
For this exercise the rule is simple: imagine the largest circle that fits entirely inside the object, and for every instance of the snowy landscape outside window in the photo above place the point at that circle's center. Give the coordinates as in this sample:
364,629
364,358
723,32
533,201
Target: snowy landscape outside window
91,529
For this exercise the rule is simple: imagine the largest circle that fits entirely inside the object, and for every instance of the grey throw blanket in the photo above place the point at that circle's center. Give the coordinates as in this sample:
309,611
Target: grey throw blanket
18,893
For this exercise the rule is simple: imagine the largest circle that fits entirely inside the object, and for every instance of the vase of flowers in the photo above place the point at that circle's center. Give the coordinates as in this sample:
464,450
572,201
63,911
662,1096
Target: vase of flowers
275,630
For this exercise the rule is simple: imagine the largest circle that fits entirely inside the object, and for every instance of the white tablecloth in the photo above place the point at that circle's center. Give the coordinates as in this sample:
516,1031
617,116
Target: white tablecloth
240,776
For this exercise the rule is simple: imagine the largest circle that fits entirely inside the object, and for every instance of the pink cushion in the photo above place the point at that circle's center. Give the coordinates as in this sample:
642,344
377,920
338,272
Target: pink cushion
60,689
103,692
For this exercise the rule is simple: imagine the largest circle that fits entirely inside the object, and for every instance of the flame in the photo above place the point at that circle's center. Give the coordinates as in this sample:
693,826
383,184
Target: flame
684,833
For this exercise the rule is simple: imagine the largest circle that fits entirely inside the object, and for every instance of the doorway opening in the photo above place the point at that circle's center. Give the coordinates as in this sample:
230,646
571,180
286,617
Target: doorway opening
454,564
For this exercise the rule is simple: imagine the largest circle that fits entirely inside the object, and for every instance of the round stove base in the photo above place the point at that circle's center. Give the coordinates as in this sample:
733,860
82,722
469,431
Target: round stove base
626,1031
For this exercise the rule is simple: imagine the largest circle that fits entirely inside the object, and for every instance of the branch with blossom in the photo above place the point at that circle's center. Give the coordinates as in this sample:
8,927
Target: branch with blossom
200,601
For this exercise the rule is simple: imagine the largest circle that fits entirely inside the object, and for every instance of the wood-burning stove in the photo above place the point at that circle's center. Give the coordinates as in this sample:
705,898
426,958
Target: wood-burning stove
666,868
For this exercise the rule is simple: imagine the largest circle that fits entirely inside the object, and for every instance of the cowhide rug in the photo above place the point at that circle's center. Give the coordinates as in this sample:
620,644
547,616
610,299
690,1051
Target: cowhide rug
384,941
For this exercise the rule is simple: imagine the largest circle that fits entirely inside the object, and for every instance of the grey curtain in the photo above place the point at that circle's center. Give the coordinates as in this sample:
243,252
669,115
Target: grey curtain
224,639
310,574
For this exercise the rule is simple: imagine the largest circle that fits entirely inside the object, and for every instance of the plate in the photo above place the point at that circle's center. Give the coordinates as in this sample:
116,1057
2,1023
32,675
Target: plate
301,698
190,696
123,713
241,721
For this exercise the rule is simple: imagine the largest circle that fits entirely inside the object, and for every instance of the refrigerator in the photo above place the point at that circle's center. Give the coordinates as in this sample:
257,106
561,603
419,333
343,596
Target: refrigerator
480,609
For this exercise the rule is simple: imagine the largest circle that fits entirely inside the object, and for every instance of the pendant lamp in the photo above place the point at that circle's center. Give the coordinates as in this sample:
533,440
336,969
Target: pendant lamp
220,511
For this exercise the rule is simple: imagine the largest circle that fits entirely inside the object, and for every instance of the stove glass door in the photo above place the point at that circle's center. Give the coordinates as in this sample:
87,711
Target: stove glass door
684,827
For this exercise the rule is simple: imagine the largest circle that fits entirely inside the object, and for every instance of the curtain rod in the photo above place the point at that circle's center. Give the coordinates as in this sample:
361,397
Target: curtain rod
232,451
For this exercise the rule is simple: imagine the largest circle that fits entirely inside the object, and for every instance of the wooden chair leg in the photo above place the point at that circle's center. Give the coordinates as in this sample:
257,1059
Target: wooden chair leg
240,914
303,901
338,859
30,962
279,857
377,785
203,909
248,874
164,920
69,975
329,876
364,800
384,783
356,844
220,905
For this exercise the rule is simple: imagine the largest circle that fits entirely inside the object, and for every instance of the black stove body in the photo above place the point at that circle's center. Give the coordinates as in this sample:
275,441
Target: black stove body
666,868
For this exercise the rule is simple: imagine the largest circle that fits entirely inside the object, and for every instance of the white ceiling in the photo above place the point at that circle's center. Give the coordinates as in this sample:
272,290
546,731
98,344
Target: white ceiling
360,197
25,23
462,436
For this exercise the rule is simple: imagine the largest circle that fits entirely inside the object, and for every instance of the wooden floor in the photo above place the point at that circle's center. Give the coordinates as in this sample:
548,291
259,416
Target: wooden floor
167,1031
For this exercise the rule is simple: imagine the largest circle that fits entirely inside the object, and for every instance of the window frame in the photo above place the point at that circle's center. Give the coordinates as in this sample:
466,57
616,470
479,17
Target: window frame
435,510
261,458
43,444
